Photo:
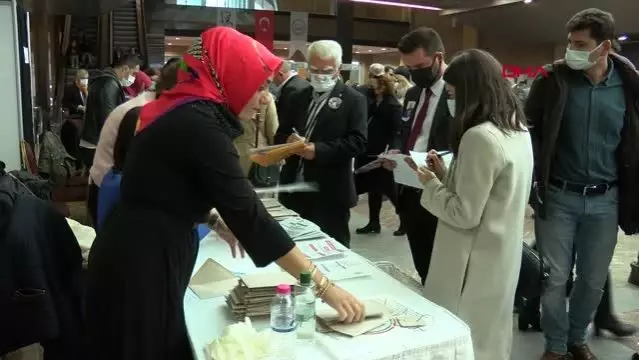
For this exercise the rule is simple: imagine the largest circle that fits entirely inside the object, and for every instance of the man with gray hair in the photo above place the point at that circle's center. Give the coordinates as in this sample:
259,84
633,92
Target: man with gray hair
331,118
287,82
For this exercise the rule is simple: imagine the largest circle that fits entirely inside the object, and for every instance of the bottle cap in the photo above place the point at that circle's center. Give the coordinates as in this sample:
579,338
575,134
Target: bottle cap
305,278
283,289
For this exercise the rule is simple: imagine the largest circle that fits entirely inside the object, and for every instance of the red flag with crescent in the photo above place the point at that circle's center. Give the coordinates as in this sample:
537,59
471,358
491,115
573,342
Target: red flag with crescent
265,28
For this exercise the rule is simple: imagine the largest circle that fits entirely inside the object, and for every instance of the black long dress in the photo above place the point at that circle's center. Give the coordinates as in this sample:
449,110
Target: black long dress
140,264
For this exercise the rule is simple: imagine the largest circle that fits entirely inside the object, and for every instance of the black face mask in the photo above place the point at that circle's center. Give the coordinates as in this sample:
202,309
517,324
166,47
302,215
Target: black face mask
426,76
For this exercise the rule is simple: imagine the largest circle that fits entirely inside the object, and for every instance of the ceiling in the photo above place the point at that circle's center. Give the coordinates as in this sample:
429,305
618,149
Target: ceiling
540,21
177,42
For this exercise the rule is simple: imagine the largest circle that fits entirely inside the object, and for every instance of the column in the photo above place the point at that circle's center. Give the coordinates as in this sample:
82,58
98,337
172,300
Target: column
44,44
10,101
345,33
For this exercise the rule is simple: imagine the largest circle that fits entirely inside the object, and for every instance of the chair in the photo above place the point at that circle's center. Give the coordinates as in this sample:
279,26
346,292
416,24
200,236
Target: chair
75,188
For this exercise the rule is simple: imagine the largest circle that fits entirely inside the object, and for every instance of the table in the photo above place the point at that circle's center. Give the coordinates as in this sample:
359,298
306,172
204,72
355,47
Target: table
445,338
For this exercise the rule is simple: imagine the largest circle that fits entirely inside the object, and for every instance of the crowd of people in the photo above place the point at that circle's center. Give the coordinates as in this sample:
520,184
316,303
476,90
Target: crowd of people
180,149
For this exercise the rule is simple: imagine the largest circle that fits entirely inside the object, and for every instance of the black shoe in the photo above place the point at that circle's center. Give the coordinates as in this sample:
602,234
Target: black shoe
400,232
369,229
615,326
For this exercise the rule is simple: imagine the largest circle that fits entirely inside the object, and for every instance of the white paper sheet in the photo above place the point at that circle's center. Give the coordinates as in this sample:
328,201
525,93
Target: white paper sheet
448,160
342,269
402,173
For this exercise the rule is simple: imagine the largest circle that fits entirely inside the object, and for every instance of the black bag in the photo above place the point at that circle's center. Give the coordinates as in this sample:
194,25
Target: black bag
263,176
533,273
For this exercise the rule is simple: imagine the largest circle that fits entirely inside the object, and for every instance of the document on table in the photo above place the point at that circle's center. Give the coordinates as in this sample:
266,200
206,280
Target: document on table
342,269
319,249
402,173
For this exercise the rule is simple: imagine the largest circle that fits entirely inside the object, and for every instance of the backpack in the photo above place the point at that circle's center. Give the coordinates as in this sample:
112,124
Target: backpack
55,163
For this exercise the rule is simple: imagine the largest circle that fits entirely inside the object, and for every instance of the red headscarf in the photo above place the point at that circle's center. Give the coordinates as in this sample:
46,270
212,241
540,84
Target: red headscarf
232,68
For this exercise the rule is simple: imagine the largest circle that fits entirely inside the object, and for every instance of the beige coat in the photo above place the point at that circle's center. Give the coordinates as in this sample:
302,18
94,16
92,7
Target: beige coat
266,128
477,254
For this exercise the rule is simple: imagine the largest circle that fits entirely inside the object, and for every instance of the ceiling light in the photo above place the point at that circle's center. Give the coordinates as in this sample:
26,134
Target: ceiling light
177,38
356,52
527,1
383,49
169,44
369,50
623,38
395,3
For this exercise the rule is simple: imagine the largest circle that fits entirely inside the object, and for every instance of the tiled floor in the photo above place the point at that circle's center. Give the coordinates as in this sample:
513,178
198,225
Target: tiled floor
526,346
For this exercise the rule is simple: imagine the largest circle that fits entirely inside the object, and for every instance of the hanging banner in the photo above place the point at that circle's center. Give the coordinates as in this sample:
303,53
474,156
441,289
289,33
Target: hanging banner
265,28
299,36
226,17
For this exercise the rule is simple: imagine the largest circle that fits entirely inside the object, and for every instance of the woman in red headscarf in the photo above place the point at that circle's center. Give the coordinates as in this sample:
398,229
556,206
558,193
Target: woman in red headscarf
181,164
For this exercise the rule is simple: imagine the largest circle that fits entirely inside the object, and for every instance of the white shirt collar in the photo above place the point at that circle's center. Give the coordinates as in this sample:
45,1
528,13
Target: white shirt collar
438,86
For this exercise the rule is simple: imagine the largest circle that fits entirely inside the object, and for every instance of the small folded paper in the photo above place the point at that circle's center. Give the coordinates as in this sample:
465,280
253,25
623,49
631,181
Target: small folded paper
376,314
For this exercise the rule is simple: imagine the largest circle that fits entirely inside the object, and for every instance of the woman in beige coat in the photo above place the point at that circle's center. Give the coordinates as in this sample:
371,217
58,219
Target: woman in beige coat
480,203
258,132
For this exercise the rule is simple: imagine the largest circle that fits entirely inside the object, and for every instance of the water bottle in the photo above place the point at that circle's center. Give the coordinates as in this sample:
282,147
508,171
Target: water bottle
283,321
305,309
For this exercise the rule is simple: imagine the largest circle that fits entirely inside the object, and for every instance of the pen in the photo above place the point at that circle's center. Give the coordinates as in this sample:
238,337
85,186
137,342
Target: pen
444,152
386,150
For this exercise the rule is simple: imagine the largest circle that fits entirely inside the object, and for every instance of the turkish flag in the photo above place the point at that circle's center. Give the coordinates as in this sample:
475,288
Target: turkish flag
265,28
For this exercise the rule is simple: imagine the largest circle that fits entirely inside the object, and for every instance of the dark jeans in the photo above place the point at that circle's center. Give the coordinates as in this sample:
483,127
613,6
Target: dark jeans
381,184
92,204
420,226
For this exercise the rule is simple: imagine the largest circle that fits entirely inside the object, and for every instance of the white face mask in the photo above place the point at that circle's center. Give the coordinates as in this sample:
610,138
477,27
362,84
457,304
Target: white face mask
451,106
323,83
128,81
84,82
579,59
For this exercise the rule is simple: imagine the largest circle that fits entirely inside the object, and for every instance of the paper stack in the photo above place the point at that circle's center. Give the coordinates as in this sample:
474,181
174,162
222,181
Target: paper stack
300,229
273,155
253,294
277,210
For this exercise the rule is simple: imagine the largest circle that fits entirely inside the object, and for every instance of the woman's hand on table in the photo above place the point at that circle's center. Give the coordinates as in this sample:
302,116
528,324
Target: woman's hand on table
349,308
227,235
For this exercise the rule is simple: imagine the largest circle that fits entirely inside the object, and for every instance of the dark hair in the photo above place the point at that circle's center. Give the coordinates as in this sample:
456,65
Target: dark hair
388,69
403,71
152,72
421,38
599,23
127,60
481,94
168,76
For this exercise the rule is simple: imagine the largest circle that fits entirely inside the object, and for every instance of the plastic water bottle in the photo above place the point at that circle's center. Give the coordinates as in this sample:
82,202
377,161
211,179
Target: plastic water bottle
305,309
283,322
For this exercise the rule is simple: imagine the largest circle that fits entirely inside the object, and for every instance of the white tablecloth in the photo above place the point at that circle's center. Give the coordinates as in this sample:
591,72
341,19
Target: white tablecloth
445,338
